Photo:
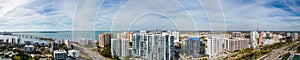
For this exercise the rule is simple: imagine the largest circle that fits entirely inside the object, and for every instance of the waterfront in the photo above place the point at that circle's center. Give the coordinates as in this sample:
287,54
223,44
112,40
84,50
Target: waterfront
60,35
23,39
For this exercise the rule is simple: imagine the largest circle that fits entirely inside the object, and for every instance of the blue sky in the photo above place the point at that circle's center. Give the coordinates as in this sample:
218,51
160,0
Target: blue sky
62,15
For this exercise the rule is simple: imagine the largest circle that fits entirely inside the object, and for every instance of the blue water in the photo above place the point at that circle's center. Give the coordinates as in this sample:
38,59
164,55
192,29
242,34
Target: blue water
60,35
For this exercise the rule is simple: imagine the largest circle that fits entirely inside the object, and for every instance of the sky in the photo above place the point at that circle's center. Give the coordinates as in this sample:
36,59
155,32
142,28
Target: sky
108,15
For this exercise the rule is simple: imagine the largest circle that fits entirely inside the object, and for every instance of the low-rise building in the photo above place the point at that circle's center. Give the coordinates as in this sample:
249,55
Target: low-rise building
28,42
29,48
73,53
268,42
58,41
1,40
82,41
236,34
60,54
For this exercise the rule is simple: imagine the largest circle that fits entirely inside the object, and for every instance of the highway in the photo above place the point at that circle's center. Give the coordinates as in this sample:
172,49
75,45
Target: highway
93,54
275,53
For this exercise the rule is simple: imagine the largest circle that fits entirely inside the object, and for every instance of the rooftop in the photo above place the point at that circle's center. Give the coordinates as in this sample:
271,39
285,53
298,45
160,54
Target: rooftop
193,38
29,46
60,51
73,51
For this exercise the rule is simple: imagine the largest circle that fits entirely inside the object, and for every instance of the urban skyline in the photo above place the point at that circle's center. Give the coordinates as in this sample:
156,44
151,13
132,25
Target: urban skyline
149,30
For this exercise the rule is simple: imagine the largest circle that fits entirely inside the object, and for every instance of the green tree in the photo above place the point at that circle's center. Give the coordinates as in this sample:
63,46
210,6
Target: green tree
17,58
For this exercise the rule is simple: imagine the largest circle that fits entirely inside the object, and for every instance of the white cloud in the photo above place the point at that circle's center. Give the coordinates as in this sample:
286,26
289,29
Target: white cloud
32,15
59,14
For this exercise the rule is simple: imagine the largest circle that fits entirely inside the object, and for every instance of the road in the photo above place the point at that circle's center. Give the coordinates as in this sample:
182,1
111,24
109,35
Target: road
275,53
88,52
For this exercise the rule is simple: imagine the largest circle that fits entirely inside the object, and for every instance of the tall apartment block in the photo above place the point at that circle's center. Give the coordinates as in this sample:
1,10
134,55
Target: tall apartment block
254,38
215,44
236,44
194,47
120,48
104,39
153,45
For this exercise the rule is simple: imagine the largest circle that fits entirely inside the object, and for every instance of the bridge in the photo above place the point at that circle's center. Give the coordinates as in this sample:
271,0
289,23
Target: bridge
31,37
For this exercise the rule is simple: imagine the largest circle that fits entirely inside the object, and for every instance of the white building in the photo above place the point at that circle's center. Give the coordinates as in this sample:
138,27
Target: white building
67,43
52,46
29,48
116,47
254,39
82,41
236,34
153,45
73,53
215,45
60,54
176,36
125,48
236,44
268,42
58,41
120,47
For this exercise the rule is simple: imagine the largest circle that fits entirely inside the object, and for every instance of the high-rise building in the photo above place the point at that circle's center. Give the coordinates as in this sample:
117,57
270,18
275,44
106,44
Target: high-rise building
215,45
13,40
260,39
52,46
67,43
7,40
154,45
130,36
135,44
116,47
104,39
120,48
194,47
254,39
236,44
124,48
19,41
176,36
